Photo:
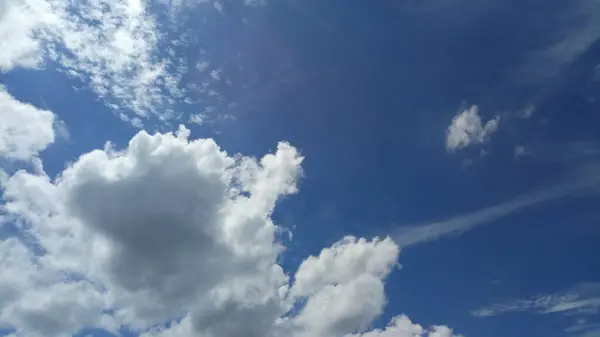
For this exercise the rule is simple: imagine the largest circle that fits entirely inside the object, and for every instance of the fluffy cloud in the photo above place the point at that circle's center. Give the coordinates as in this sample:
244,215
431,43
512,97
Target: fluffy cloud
177,231
19,22
402,326
344,262
467,128
343,286
37,300
24,129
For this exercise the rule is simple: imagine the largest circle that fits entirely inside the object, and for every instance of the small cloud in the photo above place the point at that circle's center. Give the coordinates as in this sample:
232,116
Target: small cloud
527,112
255,2
25,130
216,75
61,131
467,129
520,151
202,65
218,6
197,118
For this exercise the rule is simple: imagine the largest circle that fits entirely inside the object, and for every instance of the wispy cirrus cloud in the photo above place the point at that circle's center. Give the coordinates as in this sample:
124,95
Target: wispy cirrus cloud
111,45
587,183
581,302
581,299
125,51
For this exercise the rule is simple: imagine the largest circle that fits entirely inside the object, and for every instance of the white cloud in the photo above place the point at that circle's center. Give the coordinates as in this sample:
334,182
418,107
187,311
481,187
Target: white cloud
343,286
19,22
218,6
255,2
197,118
173,230
202,65
112,45
582,299
215,75
585,183
527,112
402,326
119,49
24,129
35,300
520,150
467,129
343,262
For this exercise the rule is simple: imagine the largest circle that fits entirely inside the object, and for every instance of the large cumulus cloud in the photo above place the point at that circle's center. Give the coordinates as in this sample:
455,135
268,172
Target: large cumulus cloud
174,237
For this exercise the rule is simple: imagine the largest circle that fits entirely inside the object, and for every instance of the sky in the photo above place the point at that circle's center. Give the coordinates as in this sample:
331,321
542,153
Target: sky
263,168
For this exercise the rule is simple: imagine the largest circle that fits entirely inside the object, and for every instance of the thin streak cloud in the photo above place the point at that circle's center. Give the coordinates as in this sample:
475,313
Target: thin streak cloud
416,234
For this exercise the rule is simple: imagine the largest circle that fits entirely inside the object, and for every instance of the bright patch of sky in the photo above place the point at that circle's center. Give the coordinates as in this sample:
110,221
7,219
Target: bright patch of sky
299,168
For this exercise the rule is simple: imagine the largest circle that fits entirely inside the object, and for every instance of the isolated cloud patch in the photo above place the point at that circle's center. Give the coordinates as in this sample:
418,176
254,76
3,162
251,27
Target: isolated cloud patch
125,51
24,129
177,231
467,129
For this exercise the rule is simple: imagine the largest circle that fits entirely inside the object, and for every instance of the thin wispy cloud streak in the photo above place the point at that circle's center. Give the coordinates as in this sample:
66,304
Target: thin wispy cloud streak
416,234
583,299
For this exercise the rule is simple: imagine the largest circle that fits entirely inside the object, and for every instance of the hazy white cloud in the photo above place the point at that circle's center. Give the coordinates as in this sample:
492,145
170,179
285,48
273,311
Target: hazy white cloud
111,45
24,129
581,20
520,150
584,328
172,230
218,6
582,299
255,2
563,151
119,49
586,183
467,128
402,326
197,118
526,112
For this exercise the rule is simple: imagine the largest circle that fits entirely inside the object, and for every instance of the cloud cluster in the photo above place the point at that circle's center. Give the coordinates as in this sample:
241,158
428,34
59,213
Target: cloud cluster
119,49
467,129
132,54
112,45
174,237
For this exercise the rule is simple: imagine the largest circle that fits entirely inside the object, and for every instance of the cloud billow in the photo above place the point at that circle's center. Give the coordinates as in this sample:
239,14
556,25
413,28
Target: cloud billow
173,230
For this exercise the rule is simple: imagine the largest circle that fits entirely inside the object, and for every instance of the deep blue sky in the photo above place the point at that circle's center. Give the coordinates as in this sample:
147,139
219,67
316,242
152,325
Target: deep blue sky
366,91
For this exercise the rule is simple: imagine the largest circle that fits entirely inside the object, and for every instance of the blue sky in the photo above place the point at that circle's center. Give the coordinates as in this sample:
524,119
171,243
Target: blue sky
433,159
